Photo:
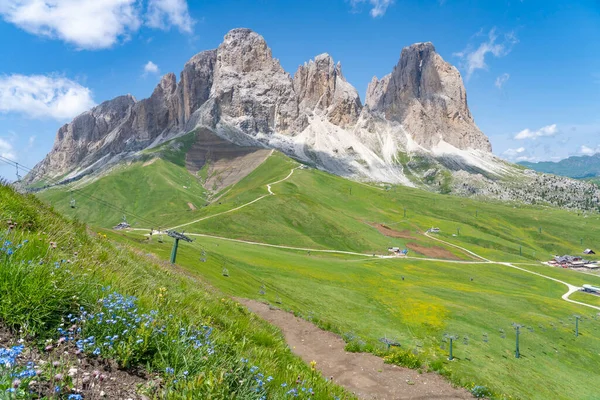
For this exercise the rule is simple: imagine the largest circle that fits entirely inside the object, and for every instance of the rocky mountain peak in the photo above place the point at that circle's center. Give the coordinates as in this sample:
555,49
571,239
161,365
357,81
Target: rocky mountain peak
427,96
321,87
242,93
251,89
244,51
167,84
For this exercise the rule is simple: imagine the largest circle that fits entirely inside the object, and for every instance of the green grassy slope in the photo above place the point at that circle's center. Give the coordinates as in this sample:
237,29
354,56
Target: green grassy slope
595,180
367,296
158,190
50,267
320,210
370,298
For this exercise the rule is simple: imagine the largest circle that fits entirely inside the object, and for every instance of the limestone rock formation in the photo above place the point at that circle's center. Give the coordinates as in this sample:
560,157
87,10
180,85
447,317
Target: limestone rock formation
195,83
242,94
427,96
321,87
251,89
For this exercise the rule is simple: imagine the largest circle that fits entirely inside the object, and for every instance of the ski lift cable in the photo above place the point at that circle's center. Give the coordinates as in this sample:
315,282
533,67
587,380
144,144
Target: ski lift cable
81,193
116,208
89,196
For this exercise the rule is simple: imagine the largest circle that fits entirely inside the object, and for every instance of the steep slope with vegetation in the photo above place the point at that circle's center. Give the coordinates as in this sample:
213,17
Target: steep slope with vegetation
62,287
315,209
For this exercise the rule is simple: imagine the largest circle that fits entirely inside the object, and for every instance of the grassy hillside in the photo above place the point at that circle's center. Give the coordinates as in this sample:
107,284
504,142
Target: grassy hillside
416,301
316,209
157,190
193,340
595,180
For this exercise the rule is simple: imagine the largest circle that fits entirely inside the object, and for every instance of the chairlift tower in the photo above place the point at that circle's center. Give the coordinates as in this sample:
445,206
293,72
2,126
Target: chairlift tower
18,175
177,236
451,338
517,328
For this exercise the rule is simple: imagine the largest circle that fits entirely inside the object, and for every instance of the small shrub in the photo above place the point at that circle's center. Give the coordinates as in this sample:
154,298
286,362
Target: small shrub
404,358
480,391
355,346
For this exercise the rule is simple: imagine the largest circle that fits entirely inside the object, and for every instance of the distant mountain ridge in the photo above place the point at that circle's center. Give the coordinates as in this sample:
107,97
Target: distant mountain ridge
578,167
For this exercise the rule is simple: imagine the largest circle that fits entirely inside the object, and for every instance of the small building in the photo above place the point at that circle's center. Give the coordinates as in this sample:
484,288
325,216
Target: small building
592,266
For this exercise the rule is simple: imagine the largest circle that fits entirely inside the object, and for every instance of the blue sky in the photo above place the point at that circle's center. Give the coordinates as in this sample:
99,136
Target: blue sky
531,68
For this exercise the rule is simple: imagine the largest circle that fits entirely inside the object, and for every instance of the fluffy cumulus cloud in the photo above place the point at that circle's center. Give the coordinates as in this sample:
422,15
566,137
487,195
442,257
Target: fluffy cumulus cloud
474,58
40,96
163,14
501,80
589,151
378,7
7,150
549,130
93,24
151,68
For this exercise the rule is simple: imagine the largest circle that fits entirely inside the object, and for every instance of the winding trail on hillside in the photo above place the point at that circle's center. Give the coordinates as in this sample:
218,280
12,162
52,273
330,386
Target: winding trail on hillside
571,288
239,207
352,253
364,374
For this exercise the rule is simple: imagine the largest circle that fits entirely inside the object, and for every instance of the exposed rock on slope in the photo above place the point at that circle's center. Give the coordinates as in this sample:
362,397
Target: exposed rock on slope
250,88
427,96
321,88
125,125
241,92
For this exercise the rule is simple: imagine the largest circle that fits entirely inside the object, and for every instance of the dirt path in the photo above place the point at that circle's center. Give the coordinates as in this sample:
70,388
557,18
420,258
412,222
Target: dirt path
240,207
571,288
361,373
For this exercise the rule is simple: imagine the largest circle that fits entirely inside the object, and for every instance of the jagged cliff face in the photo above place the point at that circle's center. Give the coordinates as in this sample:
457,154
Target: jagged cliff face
242,93
322,89
427,96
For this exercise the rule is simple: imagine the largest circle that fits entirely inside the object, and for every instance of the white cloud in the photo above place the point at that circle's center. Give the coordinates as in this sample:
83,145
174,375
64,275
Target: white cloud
589,151
7,150
518,154
40,96
473,60
514,152
31,141
151,68
501,80
163,14
379,7
549,130
89,24
93,24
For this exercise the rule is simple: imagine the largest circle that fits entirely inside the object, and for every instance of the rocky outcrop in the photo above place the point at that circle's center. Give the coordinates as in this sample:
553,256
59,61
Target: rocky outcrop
195,83
321,87
251,89
80,138
427,96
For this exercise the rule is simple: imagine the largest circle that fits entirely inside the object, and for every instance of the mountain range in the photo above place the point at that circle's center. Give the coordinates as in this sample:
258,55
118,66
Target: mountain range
578,167
414,127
